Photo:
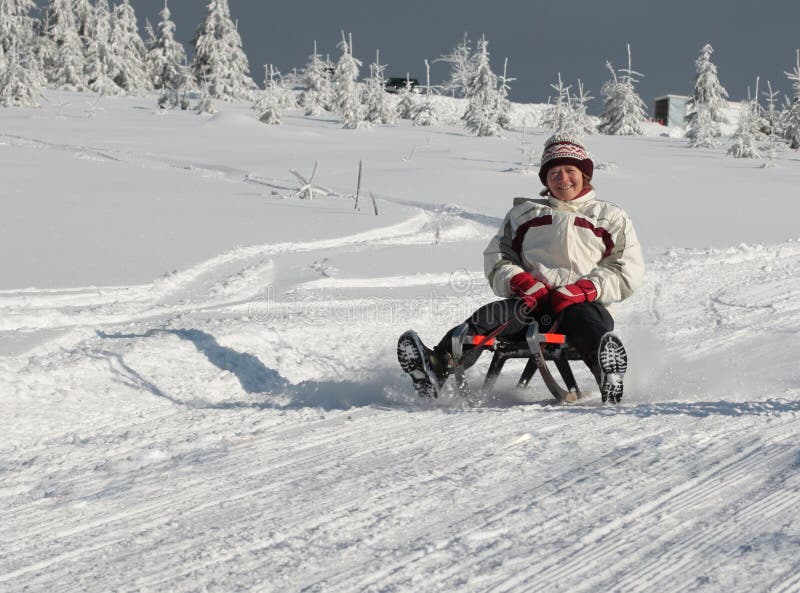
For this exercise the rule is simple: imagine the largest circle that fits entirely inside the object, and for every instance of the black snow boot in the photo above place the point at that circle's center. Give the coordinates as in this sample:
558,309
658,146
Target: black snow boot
427,369
612,363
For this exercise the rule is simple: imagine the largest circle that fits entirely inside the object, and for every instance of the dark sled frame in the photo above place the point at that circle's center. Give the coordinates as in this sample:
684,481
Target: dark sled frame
538,348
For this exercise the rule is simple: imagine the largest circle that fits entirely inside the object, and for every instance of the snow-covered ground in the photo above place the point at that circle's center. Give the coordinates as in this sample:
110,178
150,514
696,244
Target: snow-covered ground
200,392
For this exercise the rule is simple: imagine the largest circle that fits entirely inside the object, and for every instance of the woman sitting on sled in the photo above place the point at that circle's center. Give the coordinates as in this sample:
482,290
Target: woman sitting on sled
559,260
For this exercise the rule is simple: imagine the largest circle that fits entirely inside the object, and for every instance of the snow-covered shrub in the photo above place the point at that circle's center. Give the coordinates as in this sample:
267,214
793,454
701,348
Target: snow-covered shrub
407,103
703,131
270,103
748,135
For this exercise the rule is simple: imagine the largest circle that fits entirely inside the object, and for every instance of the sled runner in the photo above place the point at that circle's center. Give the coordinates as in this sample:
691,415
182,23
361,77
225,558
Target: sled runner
538,348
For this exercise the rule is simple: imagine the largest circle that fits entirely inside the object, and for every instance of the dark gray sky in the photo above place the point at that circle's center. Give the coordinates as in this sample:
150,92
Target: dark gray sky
540,39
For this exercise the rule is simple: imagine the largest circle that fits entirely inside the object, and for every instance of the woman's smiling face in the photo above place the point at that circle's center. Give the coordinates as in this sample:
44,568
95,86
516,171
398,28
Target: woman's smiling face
565,182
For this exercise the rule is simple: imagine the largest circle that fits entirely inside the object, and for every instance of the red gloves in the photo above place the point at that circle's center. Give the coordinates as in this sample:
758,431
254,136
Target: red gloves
529,289
583,291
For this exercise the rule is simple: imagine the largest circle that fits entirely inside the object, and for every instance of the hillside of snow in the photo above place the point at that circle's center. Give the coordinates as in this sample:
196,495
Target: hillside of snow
200,390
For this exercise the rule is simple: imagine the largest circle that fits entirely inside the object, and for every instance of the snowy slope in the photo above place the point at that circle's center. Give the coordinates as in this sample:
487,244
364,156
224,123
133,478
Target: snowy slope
199,389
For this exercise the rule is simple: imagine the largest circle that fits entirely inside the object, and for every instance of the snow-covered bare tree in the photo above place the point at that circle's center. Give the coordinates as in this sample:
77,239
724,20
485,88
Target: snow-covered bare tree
772,118
407,102
583,121
481,115
503,102
377,108
560,116
167,56
425,114
19,86
347,94
130,53
460,60
318,94
101,60
219,59
708,92
790,117
63,53
747,138
624,112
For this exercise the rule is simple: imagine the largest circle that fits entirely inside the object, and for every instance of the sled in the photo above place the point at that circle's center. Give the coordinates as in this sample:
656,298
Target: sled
538,348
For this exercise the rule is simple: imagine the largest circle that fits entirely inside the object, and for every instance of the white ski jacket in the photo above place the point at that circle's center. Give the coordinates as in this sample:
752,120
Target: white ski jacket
562,242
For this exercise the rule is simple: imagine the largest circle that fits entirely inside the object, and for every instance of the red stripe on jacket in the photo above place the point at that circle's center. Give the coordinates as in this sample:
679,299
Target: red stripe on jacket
516,244
598,232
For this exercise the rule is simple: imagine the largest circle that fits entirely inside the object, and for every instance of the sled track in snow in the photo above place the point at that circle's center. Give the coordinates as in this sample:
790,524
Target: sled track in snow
392,511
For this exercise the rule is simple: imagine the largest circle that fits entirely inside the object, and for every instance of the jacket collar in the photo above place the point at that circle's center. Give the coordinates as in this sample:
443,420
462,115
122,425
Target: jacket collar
572,204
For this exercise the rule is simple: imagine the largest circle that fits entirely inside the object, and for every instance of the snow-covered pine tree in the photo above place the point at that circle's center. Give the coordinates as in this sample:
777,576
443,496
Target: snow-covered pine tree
130,53
63,55
318,92
19,87
167,56
425,114
460,60
15,26
84,17
219,58
707,91
790,118
270,104
481,115
624,111
407,102
347,95
101,61
376,100
18,35
746,139
583,121
503,102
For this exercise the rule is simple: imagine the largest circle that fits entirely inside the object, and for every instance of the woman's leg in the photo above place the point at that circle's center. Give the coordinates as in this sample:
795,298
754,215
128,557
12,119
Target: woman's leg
584,325
482,322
